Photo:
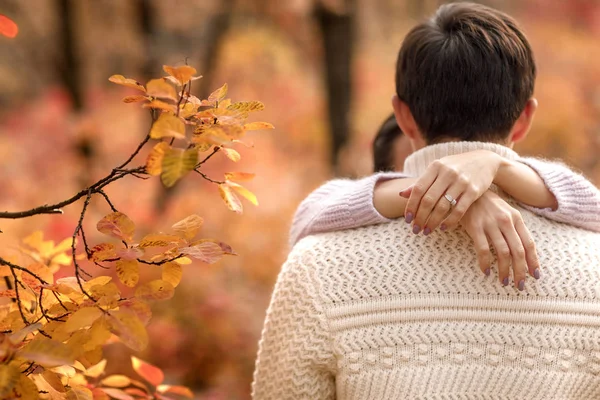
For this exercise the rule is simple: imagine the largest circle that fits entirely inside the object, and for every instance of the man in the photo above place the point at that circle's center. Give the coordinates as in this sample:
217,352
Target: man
381,313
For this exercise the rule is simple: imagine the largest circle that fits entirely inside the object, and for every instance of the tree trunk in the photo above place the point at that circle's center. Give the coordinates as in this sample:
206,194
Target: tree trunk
68,64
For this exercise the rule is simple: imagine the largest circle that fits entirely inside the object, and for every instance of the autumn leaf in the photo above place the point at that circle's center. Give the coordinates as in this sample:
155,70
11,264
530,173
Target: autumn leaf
179,390
230,199
132,83
160,105
242,191
26,389
82,318
182,74
117,394
138,307
168,125
172,272
130,253
257,126
129,329
155,290
128,272
189,226
246,106
155,158
103,251
210,134
79,393
207,252
117,225
160,88
176,163
231,154
147,371
218,94
134,99
118,381
96,370
9,378
224,246
159,240
47,352
8,27
239,176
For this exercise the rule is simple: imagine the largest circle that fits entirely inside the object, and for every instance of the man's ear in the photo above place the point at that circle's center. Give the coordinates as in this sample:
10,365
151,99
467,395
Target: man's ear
407,123
521,127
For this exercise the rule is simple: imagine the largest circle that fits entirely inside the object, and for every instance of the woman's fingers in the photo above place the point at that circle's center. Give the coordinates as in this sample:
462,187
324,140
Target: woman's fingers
502,253
533,262
482,248
443,207
421,196
516,250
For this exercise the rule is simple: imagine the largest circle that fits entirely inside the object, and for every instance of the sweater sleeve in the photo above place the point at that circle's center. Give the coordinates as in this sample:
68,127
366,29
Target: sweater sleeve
339,204
578,199
295,357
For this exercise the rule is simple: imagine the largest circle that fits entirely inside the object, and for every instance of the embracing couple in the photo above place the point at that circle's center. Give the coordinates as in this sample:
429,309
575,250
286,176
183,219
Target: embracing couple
473,274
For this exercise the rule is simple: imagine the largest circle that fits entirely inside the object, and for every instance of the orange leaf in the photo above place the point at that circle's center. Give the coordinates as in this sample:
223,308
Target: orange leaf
256,126
117,225
160,105
246,106
231,154
167,125
47,352
183,74
159,240
239,176
138,307
189,226
160,88
242,191
128,272
82,318
117,394
134,99
103,251
224,246
79,393
177,163
218,94
230,199
132,83
130,253
207,252
8,27
155,290
118,381
147,371
180,390
154,160
129,329
172,272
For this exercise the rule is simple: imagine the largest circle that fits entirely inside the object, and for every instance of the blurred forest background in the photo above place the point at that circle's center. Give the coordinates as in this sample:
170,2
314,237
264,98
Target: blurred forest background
323,68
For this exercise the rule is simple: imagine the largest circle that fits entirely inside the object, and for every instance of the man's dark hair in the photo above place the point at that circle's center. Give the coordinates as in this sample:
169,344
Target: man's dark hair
466,74
383,145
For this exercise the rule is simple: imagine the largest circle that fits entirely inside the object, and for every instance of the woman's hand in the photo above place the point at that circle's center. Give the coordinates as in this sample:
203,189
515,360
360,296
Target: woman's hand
491,219
447,189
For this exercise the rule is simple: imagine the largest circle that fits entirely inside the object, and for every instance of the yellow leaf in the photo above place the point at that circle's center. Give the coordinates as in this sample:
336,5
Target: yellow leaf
138,307
224,246
170,389
154,160
147,371
47,352
106,295
118,381
26,389
231,154
159,240
79,393
239,176
117,225
210,134
99,280
103,251
189,226
129,329
128,272
132,83
187,110
247,106
167,125
117,394
155,290
82,318
257,126
9,378
96,370
160,88
218,94
172,272
200,144
225,103
183,261
230,199
242,191
183,74
134,99
160,105
97,335
207,252
176,163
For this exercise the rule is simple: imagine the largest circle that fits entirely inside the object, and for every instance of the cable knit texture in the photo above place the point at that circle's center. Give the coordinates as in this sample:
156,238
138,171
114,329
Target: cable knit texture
346,204
379,313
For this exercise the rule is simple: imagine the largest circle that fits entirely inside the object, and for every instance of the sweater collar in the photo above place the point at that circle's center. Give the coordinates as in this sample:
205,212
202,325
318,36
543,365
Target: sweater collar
418,161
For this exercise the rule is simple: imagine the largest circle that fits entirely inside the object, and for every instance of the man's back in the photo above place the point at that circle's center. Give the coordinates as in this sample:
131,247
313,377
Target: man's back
380,313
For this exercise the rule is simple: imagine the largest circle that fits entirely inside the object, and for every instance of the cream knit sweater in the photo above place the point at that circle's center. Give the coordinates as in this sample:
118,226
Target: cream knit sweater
380,313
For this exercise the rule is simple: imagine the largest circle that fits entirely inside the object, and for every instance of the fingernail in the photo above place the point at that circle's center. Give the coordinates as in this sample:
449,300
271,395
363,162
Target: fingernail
522,284
536,273
404,194
426,231
505,281
487,272
409,217
416,229
443,227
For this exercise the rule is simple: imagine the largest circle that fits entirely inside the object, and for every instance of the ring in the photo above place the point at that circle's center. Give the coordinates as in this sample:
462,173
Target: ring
450,199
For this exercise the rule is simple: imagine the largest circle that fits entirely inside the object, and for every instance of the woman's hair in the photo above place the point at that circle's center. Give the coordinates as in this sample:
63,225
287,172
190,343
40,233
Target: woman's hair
383,145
